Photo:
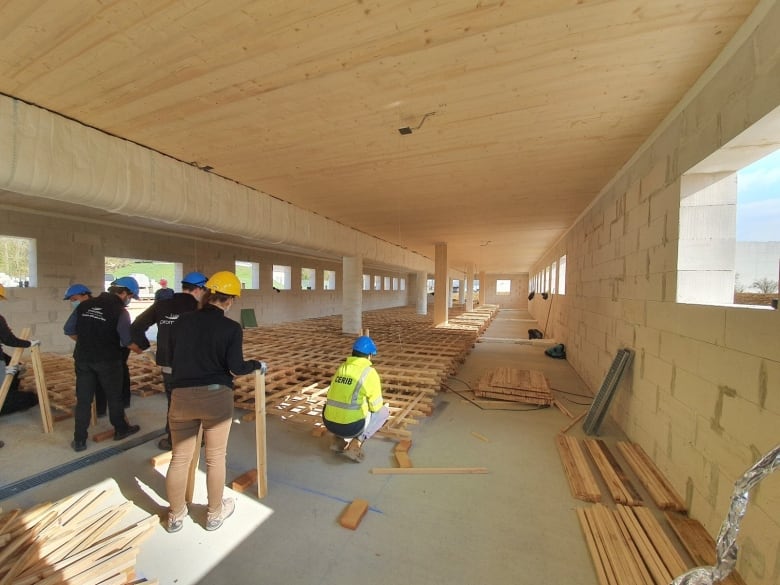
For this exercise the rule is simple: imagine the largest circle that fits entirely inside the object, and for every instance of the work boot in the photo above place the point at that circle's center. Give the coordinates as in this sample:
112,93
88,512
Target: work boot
165,444
338,444
214,521
176,521
78,445
354,451
130,430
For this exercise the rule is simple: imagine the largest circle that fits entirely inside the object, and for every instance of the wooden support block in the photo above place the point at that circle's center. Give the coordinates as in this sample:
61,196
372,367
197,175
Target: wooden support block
353,514
403,446
244,481
161,459
403,459
103,435
318,431
426,470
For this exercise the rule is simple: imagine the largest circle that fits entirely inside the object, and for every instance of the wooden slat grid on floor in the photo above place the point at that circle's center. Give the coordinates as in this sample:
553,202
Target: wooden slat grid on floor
528,386
413,361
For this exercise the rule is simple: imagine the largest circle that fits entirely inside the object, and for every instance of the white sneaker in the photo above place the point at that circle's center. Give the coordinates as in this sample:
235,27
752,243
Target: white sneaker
214,521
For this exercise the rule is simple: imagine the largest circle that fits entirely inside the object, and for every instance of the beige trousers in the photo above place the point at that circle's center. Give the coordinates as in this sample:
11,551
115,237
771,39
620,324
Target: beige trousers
191,407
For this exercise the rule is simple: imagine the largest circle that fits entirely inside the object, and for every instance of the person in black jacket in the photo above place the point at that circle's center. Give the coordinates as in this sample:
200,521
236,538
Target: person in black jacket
164,313
102,333
14,399
206,352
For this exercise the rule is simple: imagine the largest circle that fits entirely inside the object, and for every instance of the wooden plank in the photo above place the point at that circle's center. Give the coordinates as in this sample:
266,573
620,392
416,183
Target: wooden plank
698,543
244,481
103,435
581,480
16,356
161,459
621,489
427,470
593,548
260,438
40,387
353,514
403,459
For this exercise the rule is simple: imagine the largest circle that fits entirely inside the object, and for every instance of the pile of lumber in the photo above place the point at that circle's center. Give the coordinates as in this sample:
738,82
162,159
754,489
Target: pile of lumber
628,545
581,479
528,386
661,491
76,540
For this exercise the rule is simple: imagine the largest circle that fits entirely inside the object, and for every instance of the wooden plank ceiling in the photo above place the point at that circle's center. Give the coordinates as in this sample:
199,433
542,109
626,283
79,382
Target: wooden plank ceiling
521,111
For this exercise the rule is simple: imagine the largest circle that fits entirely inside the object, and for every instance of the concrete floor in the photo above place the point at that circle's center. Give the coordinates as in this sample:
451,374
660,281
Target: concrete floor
514,525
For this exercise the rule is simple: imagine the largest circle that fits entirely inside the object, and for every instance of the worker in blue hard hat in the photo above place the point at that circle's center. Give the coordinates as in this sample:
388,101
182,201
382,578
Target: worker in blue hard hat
76,294
131,284
164,313
354,410
102,333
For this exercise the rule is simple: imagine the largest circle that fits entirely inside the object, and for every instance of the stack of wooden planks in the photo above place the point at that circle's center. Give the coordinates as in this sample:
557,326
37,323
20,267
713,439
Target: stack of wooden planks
628,545
698,543
76,540
620,487
581,479
661,491
528,386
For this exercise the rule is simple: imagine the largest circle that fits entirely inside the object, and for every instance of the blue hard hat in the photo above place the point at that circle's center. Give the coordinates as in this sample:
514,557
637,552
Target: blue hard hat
195,279
129,283
76,289
365,345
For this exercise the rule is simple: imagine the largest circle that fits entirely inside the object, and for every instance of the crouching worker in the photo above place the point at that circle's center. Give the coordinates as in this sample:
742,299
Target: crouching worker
354,410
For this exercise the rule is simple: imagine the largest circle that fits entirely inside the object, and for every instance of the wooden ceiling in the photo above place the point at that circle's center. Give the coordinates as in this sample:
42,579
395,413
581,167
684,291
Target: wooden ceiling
521,111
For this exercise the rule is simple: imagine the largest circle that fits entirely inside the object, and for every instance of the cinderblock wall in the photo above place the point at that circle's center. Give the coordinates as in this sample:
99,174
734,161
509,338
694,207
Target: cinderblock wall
703,397
69,250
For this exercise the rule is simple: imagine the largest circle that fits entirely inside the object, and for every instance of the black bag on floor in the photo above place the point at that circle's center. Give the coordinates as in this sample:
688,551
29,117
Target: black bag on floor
535,334
556,351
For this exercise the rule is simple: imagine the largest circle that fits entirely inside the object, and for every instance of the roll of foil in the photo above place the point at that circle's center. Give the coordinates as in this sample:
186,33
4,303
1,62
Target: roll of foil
726,545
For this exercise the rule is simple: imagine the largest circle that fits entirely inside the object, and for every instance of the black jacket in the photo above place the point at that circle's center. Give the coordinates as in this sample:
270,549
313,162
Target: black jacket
7,336
163,313
97,328
207,348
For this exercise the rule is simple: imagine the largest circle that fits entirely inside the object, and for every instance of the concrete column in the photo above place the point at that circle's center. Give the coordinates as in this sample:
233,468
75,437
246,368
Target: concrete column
482,287
470,289
462,292
440,314
352,295
449,293
421,293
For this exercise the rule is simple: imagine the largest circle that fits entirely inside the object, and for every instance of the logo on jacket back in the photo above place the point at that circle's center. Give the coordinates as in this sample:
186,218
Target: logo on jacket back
94,313
343,380
169,319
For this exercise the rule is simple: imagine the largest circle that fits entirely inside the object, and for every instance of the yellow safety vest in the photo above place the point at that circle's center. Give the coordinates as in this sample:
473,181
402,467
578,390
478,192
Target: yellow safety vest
354,391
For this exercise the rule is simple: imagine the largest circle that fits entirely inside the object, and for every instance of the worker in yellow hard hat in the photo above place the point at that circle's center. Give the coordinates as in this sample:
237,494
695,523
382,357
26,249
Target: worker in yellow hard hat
206,349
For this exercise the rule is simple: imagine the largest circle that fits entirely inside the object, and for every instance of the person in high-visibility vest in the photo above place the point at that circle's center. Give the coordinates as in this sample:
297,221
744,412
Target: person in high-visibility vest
354,410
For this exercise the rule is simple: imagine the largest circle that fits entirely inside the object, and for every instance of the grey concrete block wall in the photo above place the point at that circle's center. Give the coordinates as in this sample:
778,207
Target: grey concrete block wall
703,395
69,250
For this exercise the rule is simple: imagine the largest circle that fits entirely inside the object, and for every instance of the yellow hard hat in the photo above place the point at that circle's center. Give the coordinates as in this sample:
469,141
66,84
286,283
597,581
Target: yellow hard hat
2,292
224,282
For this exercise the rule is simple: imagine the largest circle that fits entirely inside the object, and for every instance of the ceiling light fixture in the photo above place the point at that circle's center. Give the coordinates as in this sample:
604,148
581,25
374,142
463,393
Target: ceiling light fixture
408,130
